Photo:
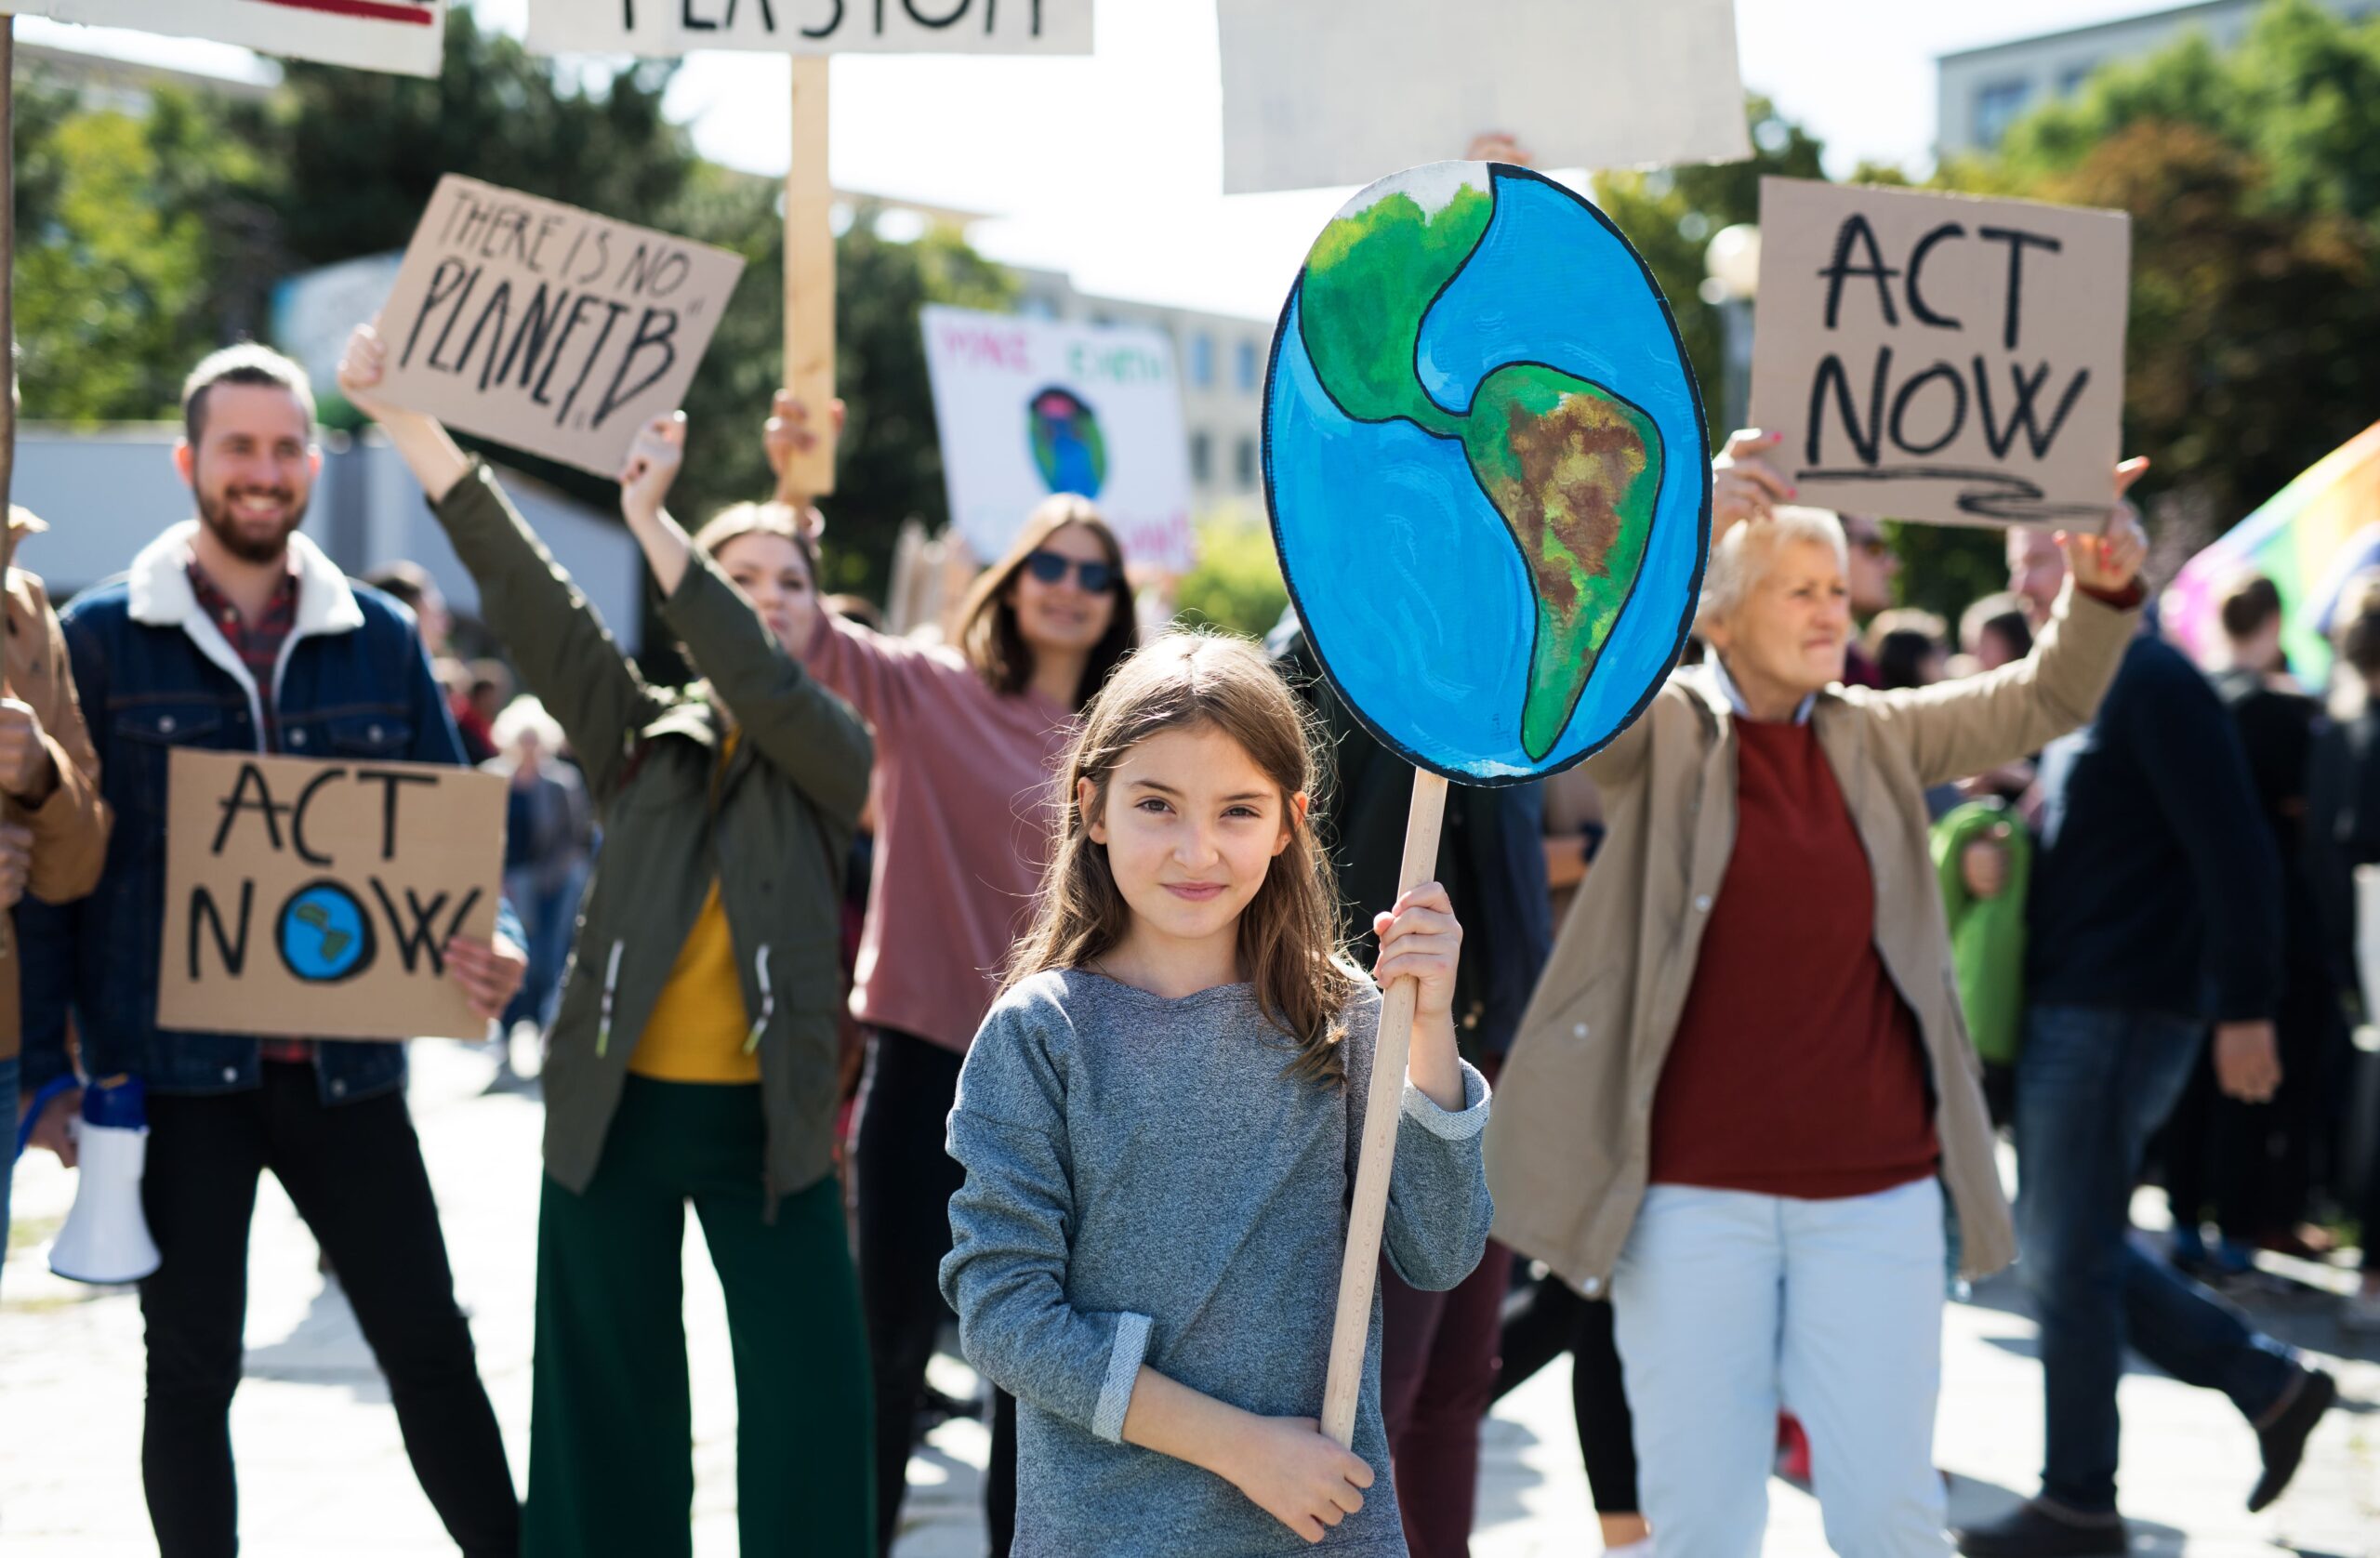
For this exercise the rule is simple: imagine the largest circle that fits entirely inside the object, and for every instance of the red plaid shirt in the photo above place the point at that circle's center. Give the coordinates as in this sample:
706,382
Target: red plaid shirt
258,645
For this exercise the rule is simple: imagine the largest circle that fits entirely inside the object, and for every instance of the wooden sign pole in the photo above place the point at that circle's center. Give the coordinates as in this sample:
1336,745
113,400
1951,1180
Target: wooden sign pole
809,279
1384,1106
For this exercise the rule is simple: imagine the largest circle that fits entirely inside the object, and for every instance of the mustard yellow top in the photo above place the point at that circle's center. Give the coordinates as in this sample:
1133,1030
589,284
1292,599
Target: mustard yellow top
699,1026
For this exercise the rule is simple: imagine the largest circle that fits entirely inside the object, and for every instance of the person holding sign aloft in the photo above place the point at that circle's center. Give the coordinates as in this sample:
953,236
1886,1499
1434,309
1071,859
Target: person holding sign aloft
967,738
693,1056
1744,1088
1159,1124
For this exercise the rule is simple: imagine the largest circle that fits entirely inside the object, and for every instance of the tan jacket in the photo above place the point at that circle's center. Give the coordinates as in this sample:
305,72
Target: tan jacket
1569,1141
69,828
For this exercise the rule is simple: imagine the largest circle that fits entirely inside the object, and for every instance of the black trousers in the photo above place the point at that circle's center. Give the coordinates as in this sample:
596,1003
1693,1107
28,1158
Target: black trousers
1555,1320
355,1175
902,1180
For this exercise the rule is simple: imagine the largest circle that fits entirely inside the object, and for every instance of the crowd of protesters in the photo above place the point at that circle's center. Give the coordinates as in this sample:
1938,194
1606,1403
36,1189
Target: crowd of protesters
1764,984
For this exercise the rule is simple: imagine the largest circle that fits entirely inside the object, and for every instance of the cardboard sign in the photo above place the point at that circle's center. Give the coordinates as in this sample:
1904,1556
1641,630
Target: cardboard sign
664,29
1483,457
1027,407
314,900
1325,92
406,37
1941,358
547,327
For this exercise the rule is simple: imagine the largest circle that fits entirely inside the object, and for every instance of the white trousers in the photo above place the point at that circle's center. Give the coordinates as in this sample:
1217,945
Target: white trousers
1726,1304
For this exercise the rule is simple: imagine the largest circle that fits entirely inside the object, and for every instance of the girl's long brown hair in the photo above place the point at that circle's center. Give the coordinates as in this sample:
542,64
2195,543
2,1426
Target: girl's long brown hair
1290,935
988,635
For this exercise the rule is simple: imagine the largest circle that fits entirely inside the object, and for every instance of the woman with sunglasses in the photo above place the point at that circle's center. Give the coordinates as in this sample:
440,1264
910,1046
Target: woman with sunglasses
967,737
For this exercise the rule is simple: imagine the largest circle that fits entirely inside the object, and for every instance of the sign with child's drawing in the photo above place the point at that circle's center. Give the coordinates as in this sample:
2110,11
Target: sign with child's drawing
1028,407
405,36
315,899
1941,358
549,328
1484,457
1325,92
670,28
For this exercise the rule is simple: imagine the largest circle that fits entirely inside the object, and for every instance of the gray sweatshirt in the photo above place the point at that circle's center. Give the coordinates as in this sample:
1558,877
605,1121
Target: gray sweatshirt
1144,1185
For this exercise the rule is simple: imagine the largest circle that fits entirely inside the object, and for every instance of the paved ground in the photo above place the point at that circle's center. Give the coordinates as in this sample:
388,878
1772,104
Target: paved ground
322,1470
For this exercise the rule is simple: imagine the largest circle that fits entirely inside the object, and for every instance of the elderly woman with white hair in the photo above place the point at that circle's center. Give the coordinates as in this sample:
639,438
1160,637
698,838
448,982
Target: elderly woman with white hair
1743,1090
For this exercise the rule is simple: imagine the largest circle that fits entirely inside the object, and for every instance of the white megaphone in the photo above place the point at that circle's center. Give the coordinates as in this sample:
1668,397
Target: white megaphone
106,1239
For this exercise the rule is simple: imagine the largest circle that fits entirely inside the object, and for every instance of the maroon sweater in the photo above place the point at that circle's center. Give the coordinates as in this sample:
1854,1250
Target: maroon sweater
1796,1069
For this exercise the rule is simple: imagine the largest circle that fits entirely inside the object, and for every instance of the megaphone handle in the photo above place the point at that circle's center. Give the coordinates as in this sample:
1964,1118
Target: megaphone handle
49,1089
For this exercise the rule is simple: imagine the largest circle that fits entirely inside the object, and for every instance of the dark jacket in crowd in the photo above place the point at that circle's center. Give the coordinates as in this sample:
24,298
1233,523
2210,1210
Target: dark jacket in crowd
1491,859
772,823
2156,887
154,673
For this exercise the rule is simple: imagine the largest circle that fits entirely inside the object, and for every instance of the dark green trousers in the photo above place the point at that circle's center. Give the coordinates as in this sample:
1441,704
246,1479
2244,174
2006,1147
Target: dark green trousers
611,1433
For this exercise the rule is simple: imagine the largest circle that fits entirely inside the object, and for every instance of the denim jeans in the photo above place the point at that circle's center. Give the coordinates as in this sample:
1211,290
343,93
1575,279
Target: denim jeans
2092,1086
1728,1304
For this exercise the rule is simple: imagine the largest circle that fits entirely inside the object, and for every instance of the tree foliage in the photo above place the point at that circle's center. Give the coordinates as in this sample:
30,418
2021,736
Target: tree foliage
146,241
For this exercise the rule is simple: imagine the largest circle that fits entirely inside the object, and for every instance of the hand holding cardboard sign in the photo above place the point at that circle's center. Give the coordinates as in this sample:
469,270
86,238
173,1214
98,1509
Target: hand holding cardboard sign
2108,561
1743,484
27,771
653,461
489,972
790,431
431,454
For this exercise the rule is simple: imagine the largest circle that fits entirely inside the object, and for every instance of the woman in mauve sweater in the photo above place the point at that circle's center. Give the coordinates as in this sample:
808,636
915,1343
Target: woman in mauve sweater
967,737
1743,1087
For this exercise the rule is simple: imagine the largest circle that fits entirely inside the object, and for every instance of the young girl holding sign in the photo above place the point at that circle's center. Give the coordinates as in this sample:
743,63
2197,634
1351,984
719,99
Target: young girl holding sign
693,1057
1159,1123
967,738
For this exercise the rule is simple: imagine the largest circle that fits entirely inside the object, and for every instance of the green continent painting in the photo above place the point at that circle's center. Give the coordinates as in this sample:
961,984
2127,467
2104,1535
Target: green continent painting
1468,341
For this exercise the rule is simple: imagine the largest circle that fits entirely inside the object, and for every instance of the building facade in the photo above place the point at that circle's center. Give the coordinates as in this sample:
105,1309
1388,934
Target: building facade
1982,91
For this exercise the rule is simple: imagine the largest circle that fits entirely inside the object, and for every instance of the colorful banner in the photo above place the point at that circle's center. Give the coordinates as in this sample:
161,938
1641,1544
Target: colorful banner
2311,539
402,36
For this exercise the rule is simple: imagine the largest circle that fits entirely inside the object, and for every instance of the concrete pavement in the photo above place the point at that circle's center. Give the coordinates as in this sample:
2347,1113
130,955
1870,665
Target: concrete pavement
323,1473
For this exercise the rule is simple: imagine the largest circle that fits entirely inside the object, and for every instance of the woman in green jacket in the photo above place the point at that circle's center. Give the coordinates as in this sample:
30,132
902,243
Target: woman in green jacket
693,1057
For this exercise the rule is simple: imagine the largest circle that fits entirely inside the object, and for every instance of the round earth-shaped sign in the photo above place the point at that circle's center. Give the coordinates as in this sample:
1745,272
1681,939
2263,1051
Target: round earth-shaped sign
1068,449
324,934
1484,456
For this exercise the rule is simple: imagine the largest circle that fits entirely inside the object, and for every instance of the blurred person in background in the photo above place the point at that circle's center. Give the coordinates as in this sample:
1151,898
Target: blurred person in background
1872,567
549,839
2154,913
2252,1163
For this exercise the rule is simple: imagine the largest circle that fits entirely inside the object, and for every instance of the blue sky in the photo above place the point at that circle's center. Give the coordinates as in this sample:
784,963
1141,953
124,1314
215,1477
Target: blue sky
1110,167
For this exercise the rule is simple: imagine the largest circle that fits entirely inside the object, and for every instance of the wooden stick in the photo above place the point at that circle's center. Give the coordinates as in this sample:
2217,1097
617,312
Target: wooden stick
809,280
1385,1105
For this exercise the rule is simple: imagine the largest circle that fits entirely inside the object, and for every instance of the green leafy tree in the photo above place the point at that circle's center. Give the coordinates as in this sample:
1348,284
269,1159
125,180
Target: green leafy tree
1671,213
138,242
1238,582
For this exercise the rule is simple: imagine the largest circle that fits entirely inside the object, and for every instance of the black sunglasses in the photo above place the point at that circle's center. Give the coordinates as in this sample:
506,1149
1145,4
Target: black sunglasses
1050,567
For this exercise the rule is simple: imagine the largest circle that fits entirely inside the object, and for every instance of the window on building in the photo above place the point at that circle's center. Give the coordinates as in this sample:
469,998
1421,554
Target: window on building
1997,107
1244,463
1245,366
2074,78
1202,360
1202,458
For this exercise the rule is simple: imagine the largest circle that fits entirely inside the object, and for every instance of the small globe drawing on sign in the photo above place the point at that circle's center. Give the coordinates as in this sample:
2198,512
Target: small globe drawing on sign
1484,463
324,935
1069,448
